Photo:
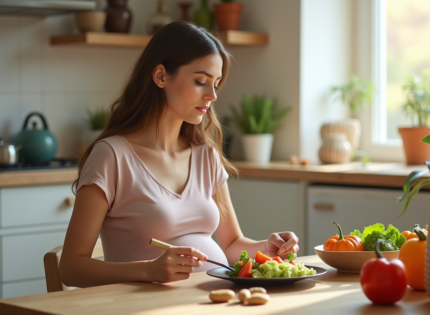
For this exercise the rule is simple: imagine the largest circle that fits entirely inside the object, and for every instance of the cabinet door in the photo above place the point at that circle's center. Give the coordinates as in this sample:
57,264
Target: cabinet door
355,208
22,255
23,206
266,206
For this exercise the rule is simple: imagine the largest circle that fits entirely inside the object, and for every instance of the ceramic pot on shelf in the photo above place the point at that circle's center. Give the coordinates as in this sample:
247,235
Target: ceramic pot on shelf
335,149
91,21
118,18
257,147
350,127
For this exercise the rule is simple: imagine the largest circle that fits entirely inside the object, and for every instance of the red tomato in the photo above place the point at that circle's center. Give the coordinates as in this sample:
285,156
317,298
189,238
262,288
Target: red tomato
383,281
278,259
261,258
246,271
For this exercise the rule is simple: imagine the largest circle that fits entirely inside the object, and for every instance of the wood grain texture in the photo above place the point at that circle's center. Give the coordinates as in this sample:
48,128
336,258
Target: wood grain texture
373,174
45,177
333,293
140,41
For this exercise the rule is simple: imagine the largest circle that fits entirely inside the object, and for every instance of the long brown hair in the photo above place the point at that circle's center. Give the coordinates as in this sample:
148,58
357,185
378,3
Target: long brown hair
142,102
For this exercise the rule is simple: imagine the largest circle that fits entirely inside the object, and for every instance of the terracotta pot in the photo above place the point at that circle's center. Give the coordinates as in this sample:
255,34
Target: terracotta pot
416,152
427,265
118,19
228,15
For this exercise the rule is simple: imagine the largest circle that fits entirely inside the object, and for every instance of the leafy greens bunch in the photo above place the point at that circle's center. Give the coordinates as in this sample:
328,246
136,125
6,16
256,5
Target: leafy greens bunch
391,238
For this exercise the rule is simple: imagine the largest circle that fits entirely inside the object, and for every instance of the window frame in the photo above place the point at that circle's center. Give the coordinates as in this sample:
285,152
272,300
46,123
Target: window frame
369,33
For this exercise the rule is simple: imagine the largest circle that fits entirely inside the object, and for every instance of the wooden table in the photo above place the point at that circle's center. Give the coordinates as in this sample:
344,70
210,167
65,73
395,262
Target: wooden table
333,293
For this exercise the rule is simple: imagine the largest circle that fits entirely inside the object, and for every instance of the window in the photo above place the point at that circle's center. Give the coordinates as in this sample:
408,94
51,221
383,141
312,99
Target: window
401,49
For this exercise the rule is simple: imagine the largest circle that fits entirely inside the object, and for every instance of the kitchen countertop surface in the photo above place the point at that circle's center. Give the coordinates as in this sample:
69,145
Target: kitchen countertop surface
332,293
373,174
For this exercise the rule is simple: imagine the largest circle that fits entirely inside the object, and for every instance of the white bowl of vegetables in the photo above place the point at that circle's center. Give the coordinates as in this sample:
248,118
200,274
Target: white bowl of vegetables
351,259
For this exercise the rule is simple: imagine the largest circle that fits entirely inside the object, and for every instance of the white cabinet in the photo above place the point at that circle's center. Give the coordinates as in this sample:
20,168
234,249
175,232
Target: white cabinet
357,207
266,206
33,220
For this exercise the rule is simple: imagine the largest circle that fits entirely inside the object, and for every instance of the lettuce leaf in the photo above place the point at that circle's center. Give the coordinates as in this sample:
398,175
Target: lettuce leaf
391,238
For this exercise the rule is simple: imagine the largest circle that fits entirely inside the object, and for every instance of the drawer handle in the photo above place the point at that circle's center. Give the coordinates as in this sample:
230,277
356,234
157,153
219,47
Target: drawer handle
323,206
70,201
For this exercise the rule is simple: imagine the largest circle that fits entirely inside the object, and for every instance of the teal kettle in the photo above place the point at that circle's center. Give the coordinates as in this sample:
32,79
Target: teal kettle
37,145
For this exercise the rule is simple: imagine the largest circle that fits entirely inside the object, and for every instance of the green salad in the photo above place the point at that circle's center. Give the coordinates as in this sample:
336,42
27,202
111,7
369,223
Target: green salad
269,269
391,237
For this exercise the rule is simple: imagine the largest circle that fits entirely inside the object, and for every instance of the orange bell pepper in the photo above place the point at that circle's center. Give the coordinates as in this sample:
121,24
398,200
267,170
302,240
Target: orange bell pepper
412,254
261,258
409,234
343,243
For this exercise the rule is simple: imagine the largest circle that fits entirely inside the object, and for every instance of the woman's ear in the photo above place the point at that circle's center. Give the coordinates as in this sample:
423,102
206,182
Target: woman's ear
159,75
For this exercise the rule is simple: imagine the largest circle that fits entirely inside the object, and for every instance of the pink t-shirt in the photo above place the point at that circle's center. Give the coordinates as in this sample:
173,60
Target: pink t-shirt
141,208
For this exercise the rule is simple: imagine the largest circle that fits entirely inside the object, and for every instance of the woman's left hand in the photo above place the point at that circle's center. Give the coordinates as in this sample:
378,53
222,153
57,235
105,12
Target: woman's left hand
281,244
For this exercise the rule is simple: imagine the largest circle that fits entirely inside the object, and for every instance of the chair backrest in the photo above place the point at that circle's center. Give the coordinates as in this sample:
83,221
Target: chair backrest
51,260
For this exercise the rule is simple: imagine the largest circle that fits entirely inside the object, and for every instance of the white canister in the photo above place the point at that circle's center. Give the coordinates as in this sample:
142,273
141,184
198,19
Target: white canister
257,147
335,149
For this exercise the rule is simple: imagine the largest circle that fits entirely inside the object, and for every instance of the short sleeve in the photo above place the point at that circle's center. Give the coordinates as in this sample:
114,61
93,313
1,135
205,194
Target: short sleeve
100,169
220,173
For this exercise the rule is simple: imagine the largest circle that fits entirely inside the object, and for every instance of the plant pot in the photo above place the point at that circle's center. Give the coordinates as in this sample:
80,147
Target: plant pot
350,127
416,152
335,149
257,147
228,15
92,21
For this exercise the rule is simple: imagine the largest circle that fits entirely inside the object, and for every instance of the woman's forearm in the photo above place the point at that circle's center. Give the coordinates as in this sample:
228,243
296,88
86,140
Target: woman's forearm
243,243
87,272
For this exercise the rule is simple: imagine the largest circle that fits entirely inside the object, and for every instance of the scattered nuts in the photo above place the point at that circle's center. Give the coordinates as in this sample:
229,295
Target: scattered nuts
294,159
223,295
305,162
243,295
257,290
258,299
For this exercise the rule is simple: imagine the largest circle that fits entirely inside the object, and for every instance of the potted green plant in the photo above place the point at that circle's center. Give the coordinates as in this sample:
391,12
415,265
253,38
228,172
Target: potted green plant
257,119
355,94
415,179
96,120
416,106
227,14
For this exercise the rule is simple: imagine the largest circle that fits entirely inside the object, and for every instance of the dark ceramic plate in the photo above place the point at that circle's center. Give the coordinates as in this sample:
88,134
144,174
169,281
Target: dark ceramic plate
222,274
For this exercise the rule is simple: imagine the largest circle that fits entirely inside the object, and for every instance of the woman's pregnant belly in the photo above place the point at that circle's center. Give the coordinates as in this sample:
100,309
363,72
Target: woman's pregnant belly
123,252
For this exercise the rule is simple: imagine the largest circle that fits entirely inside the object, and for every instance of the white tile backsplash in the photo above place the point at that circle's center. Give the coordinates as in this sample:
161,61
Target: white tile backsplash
61,82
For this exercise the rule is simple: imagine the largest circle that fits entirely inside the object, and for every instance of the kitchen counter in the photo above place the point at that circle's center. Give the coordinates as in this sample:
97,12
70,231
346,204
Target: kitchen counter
373,174
332,293
40,177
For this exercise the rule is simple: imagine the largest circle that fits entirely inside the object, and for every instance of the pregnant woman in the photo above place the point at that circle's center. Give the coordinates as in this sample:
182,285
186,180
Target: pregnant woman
157,171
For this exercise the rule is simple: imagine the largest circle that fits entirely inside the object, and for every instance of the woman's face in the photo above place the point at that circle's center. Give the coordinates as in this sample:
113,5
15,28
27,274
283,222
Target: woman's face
193,89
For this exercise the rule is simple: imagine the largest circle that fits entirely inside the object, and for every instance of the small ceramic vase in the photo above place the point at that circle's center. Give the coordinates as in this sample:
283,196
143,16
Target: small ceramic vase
350,127
118,19
335,149
160,19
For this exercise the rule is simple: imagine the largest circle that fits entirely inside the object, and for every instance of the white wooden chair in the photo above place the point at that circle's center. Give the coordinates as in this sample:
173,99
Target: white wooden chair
51,261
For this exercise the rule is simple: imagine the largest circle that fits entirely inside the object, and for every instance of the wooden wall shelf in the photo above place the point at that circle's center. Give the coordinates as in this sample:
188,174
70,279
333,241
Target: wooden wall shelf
140,41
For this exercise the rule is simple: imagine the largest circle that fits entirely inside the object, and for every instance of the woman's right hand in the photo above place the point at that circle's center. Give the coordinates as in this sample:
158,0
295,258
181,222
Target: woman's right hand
176,263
